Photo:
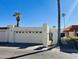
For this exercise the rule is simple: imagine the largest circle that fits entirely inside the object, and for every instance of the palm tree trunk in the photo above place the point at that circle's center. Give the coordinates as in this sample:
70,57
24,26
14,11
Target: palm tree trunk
17,23
18,19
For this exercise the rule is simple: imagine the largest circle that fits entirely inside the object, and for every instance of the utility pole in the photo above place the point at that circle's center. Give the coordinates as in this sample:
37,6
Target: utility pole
63,15
59,27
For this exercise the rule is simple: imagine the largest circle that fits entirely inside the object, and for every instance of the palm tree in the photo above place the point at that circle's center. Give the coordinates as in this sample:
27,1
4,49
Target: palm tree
17,15
59,27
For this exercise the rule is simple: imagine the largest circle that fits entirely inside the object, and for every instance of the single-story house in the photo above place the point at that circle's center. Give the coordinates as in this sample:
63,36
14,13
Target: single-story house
12,34
71,30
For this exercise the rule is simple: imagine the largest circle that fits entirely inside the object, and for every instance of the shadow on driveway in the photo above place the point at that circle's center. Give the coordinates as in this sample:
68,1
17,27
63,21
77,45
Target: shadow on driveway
19,45
70,47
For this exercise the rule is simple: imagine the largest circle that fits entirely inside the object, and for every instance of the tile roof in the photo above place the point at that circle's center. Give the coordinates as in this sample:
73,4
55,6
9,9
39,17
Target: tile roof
71,28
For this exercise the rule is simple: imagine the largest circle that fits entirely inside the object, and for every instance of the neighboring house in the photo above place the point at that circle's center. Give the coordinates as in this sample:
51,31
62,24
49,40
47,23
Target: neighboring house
40,35
4,34
71,30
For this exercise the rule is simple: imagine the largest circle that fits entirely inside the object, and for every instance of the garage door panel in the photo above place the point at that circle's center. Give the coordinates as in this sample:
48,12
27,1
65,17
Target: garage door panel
28,37
3,36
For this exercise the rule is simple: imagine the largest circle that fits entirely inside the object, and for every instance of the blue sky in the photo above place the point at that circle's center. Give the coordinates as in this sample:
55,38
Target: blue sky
37,12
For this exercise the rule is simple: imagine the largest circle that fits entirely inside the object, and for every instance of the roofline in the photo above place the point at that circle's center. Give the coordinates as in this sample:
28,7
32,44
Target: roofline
4,27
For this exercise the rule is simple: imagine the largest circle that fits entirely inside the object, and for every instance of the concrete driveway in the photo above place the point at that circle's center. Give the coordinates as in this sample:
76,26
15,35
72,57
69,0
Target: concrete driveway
34,52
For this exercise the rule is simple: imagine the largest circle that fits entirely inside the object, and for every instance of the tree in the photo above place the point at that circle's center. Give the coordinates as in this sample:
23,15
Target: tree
17,15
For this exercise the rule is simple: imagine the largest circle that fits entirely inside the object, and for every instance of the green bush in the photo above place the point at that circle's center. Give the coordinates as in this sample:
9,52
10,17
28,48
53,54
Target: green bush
71,38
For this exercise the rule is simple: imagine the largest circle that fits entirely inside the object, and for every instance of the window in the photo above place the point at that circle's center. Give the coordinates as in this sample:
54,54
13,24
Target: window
19,31
32,32
36,32
76,33
26,32
40,32
29,32
16,31
62,34
23,32
50,36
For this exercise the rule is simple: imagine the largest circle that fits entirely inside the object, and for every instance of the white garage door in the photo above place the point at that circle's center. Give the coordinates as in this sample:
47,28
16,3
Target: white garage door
28,37
3,36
